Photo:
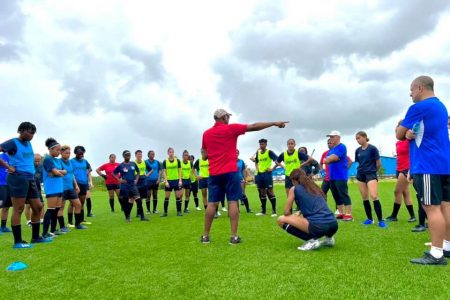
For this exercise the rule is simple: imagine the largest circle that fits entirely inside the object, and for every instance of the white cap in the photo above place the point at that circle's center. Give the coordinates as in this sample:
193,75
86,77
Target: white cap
334,133
219,113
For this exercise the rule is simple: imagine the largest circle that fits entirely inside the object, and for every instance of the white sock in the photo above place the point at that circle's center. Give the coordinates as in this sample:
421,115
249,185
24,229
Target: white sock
436,252
446,245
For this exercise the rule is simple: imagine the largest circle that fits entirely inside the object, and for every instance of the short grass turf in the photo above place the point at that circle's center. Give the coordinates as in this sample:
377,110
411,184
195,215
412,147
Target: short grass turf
163,259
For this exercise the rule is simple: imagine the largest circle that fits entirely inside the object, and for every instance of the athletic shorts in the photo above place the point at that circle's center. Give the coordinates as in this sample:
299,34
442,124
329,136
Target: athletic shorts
70,195
432,189
111,187
317,231
173,186
83,189
21,187
288,182
366,177
152,185
404,172
203,183
186,183
222,185
59,195
143,191
129,190
325,186
5,196
339,190
194,186
264,180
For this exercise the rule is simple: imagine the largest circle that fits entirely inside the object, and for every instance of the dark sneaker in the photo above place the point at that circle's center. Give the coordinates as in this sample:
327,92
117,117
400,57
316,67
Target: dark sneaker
145,219
128,220
249,211
186,211
42,239
419,228
428,259
392,219
81,227
48,235
204,239
412,220
447,253
91,215
235,240
164,215
179,214
65,229
6,229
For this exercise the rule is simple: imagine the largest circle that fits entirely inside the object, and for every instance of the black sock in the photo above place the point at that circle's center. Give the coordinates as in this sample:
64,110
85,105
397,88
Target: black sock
263,204
54,220
17,233
61,222
130,208
196,201
140,208
123,203
166,205
222,202
82,215
378,210
410,209
296,232
421,213
147,204
395,210
273,201
245,200
35,230
70,217
205,206
178,202
3,223
47,219
89,206
111,204
77,219
186,204
368,209
155,204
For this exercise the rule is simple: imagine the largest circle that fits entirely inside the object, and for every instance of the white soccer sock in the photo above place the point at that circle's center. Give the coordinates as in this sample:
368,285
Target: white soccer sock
446,245
436,252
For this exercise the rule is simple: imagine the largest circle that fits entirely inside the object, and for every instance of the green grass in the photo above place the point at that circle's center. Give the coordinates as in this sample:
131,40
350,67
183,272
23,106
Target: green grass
164,259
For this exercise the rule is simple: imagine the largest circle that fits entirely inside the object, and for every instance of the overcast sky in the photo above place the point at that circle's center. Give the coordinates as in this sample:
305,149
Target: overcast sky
115,75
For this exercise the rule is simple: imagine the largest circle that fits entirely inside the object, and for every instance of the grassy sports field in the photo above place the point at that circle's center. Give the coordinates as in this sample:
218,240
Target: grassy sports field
164,259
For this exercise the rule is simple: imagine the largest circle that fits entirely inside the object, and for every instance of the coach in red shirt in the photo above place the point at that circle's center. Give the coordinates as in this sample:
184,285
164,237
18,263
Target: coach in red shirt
220,143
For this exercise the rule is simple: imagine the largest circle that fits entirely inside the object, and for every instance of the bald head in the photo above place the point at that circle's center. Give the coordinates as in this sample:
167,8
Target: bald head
422,88
426,82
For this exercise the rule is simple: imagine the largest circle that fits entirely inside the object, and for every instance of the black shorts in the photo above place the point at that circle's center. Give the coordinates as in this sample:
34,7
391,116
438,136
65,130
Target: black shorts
432,189
325,186
173,185
22,187
404,172
58,195
5,196
194,186
288,182
264,180
129,190
186,183
152,185
83,189
203,183
317,231
110,187
70,195
339,190
366,177
143,191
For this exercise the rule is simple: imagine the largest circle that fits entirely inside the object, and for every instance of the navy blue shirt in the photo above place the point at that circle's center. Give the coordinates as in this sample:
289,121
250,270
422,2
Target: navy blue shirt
127,171
313,207
367,159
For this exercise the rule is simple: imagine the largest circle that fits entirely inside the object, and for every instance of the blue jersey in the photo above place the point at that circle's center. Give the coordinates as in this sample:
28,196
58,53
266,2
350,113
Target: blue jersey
127,171
241,168
430,150
156,167
52,184
21,157
313,207
367,159
3,171
338,169
81,168
68,178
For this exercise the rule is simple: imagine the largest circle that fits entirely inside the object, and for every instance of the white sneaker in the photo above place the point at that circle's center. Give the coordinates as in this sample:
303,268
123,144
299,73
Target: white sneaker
273,215
224,209
198,208
336,212
29,223
218,213
310,245
260,214
327,242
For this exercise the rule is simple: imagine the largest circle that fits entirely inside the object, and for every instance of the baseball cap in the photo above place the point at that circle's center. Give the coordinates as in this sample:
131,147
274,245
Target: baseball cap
219,113
334,133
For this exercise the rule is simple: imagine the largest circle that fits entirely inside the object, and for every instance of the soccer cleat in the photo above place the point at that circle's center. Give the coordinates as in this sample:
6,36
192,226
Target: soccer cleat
419,228
204,239
48,235
309,245
447,253
86,223
90,215
164,215
198,208
70,225
186,211
392,219
260,214
328,242
81,227
65,230
274,214
235,240
368,222
22,245
347,218
218,213
428,259
42,239
412,220
340,216
382,224
224,209
179,214
6,229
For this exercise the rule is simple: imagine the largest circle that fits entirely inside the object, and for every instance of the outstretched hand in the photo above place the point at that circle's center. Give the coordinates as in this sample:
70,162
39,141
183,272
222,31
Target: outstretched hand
281,124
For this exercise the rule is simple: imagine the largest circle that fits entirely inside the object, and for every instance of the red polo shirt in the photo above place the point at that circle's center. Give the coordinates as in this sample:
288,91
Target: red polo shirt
402,148
109,169
220,142
327,168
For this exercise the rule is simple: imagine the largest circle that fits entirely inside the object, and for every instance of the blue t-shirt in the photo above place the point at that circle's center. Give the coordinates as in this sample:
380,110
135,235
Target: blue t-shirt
81,168
21,157
367,159
3,170
241,167
68,178
155,166
127,171
430,150
314,208
52,184
338,169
